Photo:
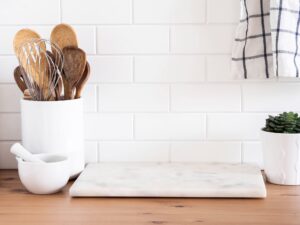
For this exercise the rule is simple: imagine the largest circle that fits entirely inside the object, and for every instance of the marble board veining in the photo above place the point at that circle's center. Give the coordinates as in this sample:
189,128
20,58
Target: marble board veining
207,180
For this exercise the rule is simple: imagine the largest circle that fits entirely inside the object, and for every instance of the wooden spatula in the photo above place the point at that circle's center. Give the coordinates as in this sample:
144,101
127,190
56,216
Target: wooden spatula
74,66
81,83
19,79
63,35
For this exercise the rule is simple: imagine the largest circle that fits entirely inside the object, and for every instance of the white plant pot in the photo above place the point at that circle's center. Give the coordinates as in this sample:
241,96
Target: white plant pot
55,127
281,153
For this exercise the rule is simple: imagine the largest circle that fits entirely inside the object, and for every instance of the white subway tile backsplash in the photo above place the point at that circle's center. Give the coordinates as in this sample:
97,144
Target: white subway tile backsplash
160,72
134,98
234,126
206,98
252,153
170,126
169,11
134,152
91,152
108,126
86,36
218,152
223,11
219,68
271,97
7,35
18,12
111,69
96,11
7,160
10,96
7,66
202,39
10,126
169,68
89,96
132,39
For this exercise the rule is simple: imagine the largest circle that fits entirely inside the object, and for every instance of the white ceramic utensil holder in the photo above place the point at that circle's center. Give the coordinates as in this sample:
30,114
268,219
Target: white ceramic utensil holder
55,127
281,154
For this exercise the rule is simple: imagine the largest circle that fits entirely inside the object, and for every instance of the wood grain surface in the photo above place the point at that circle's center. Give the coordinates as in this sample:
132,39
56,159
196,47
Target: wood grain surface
17,206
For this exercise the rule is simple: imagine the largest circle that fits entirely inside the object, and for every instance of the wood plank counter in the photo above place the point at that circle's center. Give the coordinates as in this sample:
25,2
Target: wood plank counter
17,206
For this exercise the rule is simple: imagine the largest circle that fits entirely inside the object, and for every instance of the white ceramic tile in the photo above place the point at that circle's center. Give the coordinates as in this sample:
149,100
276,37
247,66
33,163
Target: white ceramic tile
89,96
91,152
219,68
10,126
218,152
202,39
170,126
7,160
234,126
169,11
7,66
86,36
226,11
134,152
108,126
10,96
111,69
206,97
271,97
169,68
252,153
96,11
133,39
130,98
29,12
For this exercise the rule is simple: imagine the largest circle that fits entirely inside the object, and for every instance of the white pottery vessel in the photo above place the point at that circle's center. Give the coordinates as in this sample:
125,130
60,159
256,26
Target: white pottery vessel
281,153
44,178
55,127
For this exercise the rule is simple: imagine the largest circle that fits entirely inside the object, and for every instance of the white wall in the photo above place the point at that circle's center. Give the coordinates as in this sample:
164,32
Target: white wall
161,87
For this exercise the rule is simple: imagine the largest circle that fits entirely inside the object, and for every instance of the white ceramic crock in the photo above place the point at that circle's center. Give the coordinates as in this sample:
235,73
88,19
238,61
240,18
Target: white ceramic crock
281,153
55,127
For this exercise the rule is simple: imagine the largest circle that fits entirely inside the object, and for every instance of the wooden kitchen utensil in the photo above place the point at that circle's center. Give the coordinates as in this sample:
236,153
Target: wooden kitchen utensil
27,95
81,83
19,79
63,35
74,66
29,49
23,36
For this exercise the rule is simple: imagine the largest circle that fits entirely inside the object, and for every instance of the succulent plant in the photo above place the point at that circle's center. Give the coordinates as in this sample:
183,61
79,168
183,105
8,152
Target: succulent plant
287,122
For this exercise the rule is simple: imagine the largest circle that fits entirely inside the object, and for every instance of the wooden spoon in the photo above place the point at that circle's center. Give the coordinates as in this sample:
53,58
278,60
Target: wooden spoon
74,66
19,79
63,35
81,83
23,36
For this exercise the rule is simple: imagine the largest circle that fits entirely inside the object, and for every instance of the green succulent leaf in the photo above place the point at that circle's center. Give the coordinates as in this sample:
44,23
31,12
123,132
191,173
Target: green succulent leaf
287,122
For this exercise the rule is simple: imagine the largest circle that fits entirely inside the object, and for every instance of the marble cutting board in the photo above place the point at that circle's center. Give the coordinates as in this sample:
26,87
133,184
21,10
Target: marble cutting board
170,180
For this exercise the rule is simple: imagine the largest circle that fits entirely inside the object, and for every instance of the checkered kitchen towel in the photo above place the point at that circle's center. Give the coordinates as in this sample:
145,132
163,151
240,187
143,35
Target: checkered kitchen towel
267,40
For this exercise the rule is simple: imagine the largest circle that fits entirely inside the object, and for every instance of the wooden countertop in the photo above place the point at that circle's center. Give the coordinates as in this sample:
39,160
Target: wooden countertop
17,206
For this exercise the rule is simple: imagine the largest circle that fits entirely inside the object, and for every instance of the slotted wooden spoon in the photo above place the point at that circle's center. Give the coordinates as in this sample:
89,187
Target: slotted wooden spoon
19,79
74,66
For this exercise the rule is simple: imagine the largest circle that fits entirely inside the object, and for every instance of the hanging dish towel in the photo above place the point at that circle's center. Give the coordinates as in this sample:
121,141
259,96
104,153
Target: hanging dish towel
267,39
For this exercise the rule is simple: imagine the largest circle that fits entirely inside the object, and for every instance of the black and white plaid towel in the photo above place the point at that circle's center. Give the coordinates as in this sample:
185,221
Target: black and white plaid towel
267,40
